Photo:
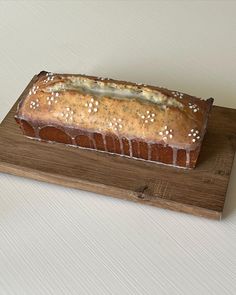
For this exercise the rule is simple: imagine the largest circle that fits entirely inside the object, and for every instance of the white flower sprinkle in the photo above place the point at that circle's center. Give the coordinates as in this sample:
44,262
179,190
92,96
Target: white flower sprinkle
95,109
86,104
193,134
90,104
147,116
177,94
115,125
89,110
96,103
92,99
166,132
194,107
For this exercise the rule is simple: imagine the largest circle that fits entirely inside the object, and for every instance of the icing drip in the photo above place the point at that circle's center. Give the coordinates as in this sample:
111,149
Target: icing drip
93,140
73,140
187,157
130,148
175,153
36,130
121,146
104,142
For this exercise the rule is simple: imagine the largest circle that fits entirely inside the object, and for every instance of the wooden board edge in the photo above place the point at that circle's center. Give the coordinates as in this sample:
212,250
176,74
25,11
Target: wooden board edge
106,190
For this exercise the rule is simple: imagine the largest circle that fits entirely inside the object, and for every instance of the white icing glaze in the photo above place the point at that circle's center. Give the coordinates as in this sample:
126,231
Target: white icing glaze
114,90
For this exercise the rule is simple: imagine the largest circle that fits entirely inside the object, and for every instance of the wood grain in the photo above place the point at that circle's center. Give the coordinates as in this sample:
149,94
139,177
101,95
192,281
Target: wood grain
200,191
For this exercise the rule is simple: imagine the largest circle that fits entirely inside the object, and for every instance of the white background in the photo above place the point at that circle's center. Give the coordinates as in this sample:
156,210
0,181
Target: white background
55,240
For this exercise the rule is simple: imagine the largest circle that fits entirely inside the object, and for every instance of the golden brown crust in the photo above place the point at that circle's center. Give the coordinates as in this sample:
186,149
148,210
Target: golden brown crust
176,119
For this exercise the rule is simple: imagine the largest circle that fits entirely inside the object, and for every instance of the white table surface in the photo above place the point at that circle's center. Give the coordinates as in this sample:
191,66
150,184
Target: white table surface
55,240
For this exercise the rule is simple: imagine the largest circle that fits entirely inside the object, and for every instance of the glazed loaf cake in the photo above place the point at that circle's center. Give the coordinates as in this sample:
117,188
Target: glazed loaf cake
124,118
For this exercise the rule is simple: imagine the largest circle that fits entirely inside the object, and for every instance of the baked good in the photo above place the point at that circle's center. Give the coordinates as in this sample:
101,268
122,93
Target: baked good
134,120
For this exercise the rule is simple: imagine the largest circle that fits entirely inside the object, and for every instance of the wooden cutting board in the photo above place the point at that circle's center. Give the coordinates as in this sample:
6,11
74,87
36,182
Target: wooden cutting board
201,191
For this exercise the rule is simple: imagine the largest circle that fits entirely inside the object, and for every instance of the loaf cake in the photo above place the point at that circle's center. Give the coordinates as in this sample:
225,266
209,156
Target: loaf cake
129,119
